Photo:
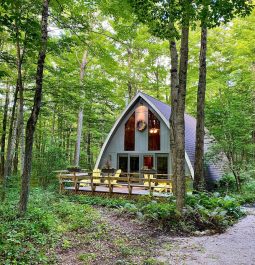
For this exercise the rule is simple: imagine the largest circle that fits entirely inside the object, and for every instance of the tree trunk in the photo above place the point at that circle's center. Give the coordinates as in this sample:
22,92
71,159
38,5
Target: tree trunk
89,148
31,123
129,83
80,115
180,126
53,126
10,154
157,81
200,131
174,95
6,105
21,98
16,156
3,177
11,136
78,141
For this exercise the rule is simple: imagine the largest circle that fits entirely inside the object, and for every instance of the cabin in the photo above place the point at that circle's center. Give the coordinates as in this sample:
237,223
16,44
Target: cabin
139,140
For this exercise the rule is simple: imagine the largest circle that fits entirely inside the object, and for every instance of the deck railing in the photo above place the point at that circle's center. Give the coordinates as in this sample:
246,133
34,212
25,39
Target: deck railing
150,182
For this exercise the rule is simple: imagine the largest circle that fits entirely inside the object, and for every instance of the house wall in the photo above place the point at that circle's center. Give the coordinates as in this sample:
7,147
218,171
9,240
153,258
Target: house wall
116,143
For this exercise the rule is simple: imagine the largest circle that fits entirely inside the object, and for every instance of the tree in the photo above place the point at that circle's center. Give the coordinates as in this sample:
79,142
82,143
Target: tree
226,12
4,128
200,125
31,123
161,19
80,115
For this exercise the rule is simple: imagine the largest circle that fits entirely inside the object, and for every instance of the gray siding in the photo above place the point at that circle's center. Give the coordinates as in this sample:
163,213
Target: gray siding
116,144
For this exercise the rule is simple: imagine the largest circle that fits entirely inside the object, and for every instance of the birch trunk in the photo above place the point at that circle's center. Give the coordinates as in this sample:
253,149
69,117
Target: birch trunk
4,127
78,141
80,115
180,126
3,178
200,131
11,136
31,123
21,101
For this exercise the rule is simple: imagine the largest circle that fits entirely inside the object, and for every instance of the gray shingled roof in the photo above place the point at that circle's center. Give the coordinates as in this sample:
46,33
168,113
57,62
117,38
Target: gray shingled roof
213,171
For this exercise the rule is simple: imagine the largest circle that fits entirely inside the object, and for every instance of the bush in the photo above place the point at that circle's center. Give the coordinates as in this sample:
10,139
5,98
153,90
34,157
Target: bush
210,211
203,211
44,165
227,183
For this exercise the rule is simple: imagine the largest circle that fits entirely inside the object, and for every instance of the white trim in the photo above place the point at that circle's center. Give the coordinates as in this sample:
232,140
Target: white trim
139,94
191,169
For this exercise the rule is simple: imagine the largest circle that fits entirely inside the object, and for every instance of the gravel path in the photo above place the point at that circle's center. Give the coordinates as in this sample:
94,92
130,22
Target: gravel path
234,247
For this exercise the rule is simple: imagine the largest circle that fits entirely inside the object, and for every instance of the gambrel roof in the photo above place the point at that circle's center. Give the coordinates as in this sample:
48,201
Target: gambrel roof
164,111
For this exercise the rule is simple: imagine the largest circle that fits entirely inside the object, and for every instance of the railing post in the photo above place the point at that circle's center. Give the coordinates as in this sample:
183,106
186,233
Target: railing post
150,191
61,185
110,184
91,183
75,183
129,186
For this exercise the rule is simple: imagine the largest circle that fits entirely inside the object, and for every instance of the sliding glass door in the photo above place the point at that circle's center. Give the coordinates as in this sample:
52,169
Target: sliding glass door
162,166
123,163
134,164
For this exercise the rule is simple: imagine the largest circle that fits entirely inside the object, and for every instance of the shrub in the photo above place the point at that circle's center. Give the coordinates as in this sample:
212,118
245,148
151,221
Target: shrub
203,210
44,164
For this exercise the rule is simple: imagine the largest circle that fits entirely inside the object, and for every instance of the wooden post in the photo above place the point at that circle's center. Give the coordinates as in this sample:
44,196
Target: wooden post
150,190
110,184
61,185
75,182
129,186
91,183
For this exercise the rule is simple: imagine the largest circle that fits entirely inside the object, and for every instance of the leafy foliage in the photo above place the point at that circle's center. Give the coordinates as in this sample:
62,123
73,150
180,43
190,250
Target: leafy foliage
30,240
203,211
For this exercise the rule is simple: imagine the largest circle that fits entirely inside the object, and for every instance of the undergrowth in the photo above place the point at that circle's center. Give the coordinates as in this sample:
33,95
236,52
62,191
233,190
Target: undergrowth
50,218
227,186
33,238
203,211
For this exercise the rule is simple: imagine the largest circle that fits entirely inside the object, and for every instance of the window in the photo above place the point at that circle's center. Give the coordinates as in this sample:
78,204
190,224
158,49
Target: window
134,164
153,132
123,163
129,143
148,162
162,166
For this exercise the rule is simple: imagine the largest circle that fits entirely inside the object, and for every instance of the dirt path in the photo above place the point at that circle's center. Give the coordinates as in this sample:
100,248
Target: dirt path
235,247
118,240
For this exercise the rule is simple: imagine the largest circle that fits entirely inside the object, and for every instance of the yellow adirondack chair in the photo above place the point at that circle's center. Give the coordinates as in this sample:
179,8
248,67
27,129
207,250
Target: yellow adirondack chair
87,182
146,183
164,187
117,174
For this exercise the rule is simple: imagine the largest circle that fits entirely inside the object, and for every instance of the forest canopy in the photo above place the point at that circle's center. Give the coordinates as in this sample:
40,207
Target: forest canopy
99,55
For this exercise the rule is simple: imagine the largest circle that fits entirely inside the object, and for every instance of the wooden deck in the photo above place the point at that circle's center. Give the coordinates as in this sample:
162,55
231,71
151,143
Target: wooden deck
127,184
121,191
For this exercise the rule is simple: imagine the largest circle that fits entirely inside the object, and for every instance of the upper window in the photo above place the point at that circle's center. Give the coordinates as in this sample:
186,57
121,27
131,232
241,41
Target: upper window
129,143
153,132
